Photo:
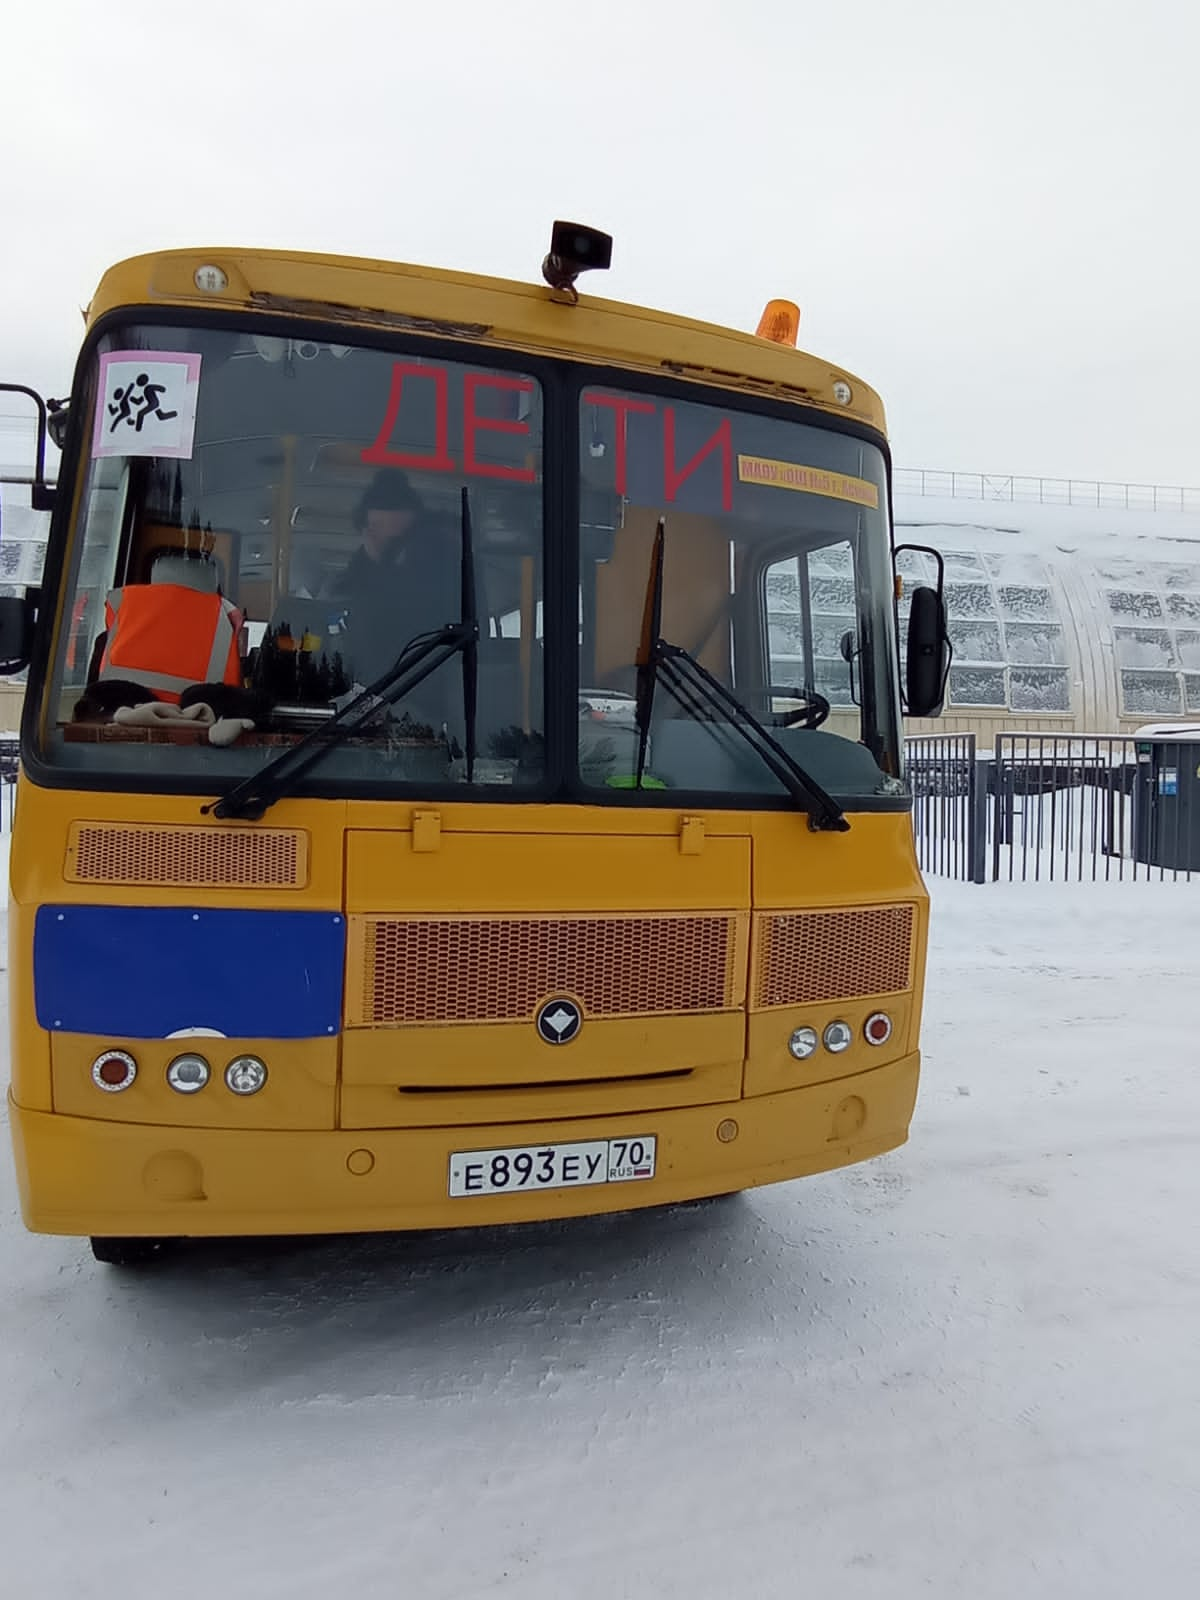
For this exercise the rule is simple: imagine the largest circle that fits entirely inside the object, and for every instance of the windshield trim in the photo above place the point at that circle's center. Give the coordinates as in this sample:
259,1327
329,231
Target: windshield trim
562,383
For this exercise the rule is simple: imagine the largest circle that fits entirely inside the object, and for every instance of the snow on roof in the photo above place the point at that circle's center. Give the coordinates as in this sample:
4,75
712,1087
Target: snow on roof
1157,732
1158,535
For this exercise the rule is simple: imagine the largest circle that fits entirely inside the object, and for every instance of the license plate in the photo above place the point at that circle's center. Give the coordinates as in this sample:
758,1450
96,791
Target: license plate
551,1166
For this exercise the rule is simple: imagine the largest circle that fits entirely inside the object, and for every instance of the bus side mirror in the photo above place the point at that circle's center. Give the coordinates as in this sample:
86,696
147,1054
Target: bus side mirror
927,662
17,614
927,655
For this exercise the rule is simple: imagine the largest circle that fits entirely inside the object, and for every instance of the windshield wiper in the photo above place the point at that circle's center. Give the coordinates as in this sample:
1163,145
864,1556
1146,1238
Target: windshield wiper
470,645
647,656
420,658
706,698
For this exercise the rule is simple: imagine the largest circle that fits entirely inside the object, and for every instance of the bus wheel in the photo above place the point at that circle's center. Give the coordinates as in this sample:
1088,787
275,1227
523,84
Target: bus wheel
129,1252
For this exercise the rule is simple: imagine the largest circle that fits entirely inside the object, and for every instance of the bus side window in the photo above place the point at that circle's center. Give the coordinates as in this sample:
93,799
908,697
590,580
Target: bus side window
810,607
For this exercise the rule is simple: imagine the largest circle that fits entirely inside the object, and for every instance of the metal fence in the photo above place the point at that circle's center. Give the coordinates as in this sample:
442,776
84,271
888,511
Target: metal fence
1044,491
950,831
1056,808
1094,808
9,757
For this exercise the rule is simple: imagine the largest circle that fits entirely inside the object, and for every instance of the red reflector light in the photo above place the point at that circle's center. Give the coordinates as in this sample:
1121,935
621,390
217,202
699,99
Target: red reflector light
878,1028
114,1070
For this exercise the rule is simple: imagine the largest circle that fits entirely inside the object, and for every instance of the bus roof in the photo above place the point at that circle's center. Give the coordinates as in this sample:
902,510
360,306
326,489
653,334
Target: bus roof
520,316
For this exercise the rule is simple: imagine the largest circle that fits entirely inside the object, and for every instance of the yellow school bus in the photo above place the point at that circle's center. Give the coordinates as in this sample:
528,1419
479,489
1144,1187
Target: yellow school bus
461,761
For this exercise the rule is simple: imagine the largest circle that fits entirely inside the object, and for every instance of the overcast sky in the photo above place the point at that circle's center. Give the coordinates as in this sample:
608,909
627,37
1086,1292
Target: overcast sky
990,212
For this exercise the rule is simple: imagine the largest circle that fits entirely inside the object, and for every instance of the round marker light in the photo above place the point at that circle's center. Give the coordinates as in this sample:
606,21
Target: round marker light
245,1075
802,1043
878,1028
211,279
187,1074
113,1071
838,1037
842,392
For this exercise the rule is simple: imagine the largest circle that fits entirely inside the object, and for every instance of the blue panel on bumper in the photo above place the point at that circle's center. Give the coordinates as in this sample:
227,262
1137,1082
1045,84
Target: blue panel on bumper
140,972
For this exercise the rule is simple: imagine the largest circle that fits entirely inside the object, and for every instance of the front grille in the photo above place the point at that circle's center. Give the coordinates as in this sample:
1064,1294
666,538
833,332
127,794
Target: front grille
463,969
219,858
802,957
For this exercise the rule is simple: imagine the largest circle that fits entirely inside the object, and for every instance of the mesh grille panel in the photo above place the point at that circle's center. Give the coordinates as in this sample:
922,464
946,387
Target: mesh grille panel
467,970
833,955
219,857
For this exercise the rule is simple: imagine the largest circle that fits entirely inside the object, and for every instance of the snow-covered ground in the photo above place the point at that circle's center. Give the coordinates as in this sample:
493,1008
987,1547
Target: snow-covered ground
969,1369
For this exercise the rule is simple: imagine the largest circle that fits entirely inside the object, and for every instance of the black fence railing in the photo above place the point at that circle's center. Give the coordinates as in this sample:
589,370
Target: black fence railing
950,831
9,761
1097,808
1056,808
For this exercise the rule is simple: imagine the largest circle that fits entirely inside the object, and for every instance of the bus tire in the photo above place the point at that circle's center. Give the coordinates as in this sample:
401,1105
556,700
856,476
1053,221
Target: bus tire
128,1252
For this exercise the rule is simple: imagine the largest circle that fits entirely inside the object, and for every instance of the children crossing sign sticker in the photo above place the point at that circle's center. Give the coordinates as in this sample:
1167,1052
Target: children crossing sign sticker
147,404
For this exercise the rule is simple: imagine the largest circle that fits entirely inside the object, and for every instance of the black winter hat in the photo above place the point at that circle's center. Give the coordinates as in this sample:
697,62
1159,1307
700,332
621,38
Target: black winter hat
388,490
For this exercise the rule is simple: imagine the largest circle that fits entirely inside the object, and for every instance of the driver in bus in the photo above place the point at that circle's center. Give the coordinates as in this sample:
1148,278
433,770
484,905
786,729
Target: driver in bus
402,581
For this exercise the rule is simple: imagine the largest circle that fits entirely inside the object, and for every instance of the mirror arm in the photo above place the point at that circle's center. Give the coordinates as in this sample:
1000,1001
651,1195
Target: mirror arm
924,550
41,494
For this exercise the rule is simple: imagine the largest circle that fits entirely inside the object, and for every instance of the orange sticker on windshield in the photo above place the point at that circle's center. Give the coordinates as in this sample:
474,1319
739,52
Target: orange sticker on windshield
808,480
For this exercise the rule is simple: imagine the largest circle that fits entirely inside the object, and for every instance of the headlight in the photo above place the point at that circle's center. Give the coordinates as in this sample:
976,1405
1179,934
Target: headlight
802,1043
245,1075
838,1037
188,1073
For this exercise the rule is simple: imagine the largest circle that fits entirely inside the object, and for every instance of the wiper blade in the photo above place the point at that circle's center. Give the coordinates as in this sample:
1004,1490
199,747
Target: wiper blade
647,663
698,692
420,658
470,644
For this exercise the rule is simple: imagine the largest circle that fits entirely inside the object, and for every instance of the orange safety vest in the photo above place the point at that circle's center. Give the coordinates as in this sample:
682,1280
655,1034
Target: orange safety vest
167,637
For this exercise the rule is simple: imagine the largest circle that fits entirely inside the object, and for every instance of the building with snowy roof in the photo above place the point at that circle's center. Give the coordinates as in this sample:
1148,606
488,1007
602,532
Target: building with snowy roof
1063,618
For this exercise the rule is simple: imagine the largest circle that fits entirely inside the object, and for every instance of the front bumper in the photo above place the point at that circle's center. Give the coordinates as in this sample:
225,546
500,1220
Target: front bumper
82,1176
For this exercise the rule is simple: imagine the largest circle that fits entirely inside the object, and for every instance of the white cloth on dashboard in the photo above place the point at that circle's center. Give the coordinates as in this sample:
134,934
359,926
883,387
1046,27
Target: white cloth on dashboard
159,714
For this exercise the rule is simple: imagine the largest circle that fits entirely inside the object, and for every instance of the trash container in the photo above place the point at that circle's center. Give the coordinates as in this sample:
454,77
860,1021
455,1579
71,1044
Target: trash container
1166,797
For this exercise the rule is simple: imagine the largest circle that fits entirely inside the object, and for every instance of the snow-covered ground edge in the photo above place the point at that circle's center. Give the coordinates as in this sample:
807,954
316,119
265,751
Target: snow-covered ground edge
967,1368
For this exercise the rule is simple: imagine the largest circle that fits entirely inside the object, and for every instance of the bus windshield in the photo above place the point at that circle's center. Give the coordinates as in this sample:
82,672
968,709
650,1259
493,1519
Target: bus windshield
266,523
777,581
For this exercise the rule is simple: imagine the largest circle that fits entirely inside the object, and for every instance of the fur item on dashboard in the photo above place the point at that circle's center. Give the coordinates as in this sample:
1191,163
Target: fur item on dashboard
101,699
157,714
225,700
